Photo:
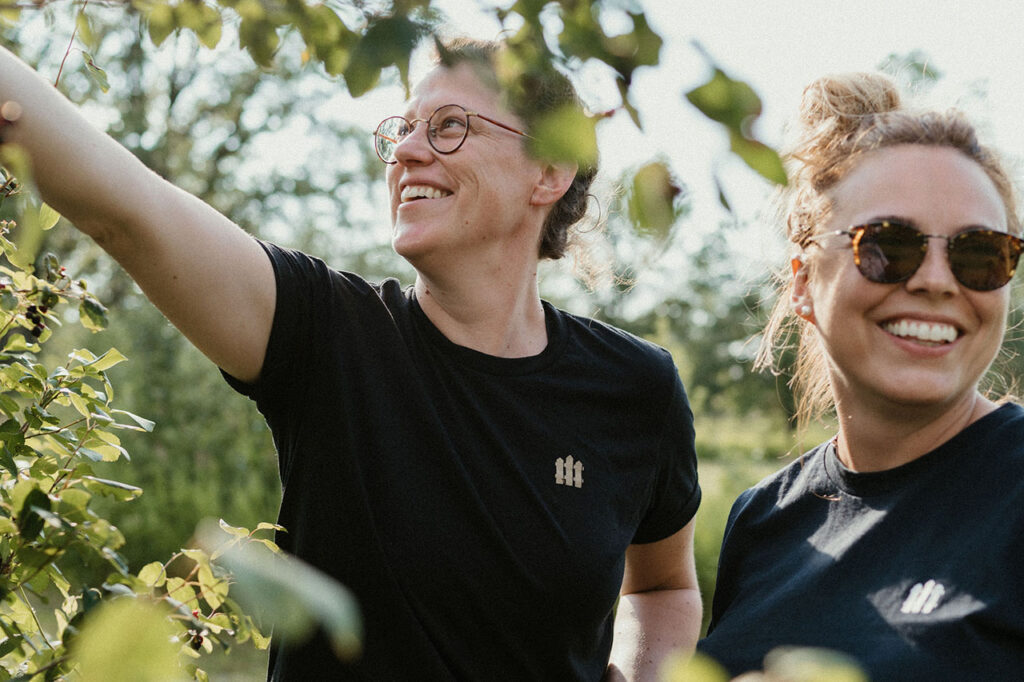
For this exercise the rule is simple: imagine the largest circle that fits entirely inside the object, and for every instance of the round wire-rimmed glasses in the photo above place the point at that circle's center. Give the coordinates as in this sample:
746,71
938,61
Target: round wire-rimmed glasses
447,129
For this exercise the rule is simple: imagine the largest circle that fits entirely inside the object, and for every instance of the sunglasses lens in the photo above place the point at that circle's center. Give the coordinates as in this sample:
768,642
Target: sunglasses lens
984,260
888,252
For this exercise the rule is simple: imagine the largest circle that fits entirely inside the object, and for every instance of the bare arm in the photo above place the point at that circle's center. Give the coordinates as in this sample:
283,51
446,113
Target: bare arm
659,608
210,279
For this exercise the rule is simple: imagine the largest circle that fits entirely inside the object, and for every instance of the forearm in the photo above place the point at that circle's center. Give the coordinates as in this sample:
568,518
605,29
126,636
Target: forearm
204,273
648,627
80,171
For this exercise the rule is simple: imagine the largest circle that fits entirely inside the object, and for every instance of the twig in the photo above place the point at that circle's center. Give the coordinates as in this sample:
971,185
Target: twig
71,44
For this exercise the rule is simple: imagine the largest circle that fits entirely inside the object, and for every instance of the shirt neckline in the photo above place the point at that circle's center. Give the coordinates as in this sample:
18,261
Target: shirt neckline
868,483
492,364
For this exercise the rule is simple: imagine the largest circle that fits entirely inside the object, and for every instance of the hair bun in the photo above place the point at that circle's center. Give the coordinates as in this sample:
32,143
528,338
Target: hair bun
842,102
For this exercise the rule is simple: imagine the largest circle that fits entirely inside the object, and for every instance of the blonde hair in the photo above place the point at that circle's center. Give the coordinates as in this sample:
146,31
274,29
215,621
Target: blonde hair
842,118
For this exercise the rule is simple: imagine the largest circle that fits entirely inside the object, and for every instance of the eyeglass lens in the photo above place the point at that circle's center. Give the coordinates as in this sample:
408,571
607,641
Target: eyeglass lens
446,131
889,252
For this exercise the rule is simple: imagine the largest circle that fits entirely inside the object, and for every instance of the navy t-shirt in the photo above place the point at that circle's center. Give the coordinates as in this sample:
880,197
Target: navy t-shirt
478,507
917,572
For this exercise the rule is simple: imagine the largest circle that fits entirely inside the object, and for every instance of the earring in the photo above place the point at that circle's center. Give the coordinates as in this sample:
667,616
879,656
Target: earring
804,310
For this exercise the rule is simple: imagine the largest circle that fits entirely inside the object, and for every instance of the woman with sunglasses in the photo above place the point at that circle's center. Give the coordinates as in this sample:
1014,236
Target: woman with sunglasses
900,540
485,472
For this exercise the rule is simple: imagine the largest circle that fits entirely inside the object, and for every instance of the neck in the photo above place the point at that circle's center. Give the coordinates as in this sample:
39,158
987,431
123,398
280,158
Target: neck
876,439
498,316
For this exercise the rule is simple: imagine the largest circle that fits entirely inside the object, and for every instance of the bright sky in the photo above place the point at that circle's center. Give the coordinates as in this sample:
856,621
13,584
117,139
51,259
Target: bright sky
779,47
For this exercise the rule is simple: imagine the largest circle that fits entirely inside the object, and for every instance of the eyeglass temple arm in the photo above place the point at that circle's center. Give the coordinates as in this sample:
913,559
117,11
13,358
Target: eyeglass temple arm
498,123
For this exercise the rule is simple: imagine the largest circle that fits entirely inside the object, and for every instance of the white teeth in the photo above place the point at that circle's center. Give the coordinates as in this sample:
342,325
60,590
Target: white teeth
923,331
422,192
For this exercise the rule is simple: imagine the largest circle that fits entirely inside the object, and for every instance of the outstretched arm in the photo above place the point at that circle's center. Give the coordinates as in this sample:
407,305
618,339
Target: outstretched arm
211,279
659,608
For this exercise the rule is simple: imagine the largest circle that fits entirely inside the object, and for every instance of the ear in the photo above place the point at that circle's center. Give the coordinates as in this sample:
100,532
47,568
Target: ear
800,299
554,182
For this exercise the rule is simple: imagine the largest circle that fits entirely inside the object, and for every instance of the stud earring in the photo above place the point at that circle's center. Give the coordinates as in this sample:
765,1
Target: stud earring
804,310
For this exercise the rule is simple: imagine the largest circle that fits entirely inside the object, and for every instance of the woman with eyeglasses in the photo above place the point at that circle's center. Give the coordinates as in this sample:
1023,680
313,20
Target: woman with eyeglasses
900,541
485,472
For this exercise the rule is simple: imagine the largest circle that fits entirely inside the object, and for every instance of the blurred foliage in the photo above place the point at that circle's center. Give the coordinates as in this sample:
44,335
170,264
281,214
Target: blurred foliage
68,599
172,87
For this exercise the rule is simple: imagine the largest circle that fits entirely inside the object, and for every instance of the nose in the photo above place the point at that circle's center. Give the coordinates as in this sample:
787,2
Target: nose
414,148
934,276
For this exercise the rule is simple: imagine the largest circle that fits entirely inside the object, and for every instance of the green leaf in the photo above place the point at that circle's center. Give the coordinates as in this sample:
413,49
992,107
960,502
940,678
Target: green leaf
237,531
213,589
85,32
126,640
259,37
107,360
291,595
760,157
387,41
161,22
153,574
30,522
202,19
92,313
803,664
653,200
725,100
141,423
565,135
118,490
48,217
98,74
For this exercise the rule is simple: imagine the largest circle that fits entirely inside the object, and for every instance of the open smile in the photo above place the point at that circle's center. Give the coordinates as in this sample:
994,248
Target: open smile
420,192
927,332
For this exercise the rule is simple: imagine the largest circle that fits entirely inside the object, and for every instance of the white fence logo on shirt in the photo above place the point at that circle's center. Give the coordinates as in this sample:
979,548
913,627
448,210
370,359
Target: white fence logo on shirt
923,597
569,472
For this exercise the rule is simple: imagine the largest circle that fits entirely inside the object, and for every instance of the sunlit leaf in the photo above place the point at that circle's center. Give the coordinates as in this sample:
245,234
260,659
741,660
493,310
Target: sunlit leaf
141,423
259,38
653,200
48,217
291,595
85,32
98,74
93,314
725,100
807,664
109,359
213,589
760,157
116,489
153,574
126,640
160,20
565,135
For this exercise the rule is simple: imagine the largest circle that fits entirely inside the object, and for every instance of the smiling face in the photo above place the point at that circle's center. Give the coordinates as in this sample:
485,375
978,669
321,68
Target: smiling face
475,203
928,340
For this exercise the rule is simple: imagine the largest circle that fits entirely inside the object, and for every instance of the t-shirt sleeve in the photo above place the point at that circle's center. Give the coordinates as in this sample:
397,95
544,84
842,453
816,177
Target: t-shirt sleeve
676,493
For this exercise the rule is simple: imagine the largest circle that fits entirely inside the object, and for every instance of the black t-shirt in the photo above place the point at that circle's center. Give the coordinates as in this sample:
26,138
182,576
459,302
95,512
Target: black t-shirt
478,507
917,572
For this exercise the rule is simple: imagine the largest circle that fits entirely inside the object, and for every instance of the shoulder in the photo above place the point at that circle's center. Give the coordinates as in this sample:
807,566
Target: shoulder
613,345
308,275
787,485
